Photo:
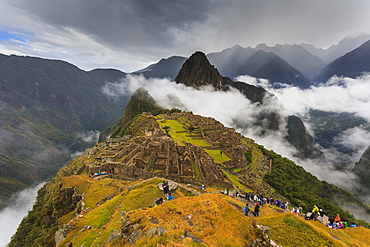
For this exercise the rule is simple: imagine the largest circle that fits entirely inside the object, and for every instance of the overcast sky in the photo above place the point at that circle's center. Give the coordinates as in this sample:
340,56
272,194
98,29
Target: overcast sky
131,34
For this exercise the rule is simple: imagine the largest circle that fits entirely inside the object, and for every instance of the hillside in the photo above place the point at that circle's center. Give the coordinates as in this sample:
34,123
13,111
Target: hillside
362,166
115,207
48,107
352,64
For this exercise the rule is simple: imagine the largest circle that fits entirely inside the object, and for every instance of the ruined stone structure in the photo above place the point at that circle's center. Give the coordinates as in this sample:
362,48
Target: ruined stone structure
153,153
145,157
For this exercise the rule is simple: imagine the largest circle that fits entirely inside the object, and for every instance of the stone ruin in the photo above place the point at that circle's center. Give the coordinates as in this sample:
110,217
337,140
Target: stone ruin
156,154
145,157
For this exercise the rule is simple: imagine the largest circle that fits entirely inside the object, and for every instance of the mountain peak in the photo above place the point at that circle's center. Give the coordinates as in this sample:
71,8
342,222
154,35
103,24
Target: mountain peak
197,71
140,101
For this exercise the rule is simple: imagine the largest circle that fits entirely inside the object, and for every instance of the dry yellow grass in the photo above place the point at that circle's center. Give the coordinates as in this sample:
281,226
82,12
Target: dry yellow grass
290,230
214,218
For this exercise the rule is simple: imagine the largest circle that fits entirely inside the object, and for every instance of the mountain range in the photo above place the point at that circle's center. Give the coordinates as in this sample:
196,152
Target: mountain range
48,107
297,65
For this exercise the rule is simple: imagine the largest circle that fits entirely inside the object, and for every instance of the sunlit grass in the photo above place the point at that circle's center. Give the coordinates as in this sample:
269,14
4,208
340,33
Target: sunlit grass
217,155
179,133
235,181
214,221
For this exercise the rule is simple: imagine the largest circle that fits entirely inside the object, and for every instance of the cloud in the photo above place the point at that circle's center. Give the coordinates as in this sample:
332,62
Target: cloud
129,35
234,110
91,136
338,94
19,205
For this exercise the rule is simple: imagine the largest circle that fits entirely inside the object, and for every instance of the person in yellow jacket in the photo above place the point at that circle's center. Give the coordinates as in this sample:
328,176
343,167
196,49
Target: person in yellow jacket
314,212
315,209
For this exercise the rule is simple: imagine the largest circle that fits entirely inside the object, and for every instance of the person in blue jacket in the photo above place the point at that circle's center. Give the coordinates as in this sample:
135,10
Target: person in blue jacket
246,209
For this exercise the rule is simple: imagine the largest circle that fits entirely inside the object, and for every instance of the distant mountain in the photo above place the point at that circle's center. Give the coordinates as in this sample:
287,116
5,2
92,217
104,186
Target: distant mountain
47,109
298,57
272,67
229,60
236,61
335,51
197,71
352,64
166,67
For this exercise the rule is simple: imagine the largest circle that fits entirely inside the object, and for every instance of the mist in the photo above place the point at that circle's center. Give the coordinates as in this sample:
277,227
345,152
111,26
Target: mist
338,94
11,216
234,110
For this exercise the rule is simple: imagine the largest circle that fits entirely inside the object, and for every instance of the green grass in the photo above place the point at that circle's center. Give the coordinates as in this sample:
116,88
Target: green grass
216,155
235,181
289,230
237,169
158,170
178,133
197,172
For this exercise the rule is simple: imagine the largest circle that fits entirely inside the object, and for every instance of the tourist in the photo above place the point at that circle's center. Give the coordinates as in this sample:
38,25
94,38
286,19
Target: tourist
256,212
246,209
169,197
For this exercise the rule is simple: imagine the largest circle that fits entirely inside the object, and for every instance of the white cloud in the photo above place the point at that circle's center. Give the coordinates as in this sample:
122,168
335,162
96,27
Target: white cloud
234,110
89,136
10,217
118,35
337,95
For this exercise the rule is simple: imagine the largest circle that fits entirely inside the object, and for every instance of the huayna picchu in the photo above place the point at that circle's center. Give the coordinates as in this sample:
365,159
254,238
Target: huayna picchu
112,195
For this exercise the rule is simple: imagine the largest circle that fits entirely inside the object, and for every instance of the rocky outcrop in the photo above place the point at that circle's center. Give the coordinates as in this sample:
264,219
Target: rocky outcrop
140,101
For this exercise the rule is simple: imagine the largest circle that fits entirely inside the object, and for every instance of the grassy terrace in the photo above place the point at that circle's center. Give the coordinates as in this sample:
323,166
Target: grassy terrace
235,180
216,155
178,131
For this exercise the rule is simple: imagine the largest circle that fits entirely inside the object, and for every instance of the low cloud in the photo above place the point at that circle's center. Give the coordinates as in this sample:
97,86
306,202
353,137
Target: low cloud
89,136
234,110
338,94
19,205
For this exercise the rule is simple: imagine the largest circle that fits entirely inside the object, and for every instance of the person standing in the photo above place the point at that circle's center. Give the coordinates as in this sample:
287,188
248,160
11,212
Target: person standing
246,209
166,189
256,212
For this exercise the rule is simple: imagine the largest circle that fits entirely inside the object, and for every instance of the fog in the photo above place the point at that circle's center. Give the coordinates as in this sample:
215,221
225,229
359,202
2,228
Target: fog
234,110
10,217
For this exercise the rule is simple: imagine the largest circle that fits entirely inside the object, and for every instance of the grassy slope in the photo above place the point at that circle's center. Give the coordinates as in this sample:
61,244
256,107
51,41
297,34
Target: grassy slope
290,230
106,200
214,220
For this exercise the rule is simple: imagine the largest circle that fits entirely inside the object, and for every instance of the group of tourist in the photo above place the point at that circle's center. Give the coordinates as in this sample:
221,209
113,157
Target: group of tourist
333,222
166,193
94,174
258,200
256,211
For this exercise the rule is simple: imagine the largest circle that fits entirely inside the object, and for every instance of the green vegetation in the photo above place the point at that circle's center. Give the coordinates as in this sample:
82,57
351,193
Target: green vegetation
218,155
213,217
302,188
179,132
236,182
290,230
197,172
